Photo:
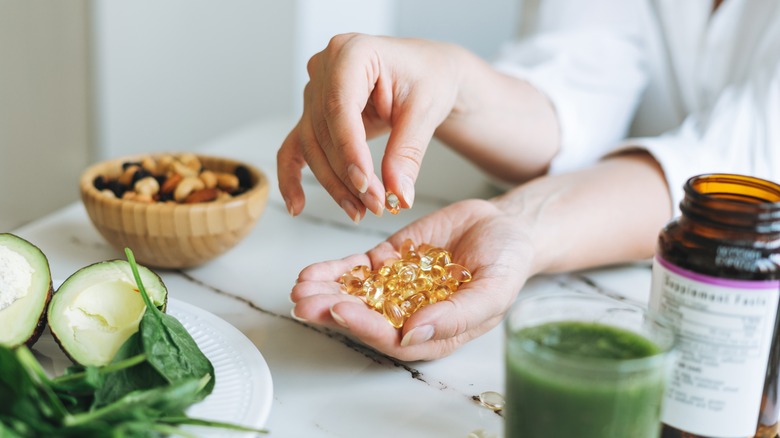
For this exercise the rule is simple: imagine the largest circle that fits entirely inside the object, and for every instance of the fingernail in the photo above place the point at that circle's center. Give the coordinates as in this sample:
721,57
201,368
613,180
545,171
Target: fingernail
372,203
358,178
339,320
296,317
407,191
351,210
417,335
289,208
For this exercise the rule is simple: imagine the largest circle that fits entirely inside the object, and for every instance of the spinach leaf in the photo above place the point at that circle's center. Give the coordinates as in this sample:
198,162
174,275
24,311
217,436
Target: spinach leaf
144,392
125,380
169,348
145,405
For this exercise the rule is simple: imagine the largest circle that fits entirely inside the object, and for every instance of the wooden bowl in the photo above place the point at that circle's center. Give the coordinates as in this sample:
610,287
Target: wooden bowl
173,235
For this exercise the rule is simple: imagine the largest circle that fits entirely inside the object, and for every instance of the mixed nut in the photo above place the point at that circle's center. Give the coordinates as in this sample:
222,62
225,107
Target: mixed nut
177,178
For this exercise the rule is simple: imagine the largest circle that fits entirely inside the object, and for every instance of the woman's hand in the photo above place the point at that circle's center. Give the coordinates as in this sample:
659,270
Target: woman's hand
361,86
480,236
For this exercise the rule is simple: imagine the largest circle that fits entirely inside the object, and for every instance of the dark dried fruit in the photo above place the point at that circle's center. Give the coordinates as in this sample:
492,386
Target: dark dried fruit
244,177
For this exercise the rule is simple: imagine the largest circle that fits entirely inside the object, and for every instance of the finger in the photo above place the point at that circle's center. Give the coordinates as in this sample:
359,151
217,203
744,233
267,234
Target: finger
466,314
406,146
372,329
335,187
369,326
316,308
342,132
289,162
332,270
305,289
374,198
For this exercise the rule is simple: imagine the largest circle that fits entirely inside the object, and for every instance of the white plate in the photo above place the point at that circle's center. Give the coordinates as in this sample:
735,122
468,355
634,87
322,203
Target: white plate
243,392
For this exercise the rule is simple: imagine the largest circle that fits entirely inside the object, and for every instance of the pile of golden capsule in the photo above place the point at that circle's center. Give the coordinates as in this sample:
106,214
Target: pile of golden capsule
418,277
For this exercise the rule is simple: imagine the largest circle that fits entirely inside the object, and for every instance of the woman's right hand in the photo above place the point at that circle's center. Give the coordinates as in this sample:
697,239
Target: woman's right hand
361,86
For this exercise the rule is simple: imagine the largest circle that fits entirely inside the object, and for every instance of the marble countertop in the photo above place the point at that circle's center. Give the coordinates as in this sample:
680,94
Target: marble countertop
324,383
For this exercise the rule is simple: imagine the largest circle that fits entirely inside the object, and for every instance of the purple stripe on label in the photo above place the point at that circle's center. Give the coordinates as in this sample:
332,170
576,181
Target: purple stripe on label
725,282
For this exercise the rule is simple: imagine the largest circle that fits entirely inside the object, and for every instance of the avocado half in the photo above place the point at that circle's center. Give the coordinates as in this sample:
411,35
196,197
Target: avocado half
97,308
25,290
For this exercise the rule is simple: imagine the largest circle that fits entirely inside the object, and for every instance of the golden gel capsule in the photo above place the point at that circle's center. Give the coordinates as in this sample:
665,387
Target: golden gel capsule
402,286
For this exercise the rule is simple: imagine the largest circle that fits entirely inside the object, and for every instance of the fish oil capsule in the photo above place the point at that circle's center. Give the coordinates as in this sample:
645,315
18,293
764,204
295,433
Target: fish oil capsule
439,256
426,262
422,284
438,274
392,284
413,257
407,291
352,285
458,272
393,204
393,313
394,297
414,303
407,273
361,271
406,247
416,277
430,296
442,292
374,293
492,400
451,284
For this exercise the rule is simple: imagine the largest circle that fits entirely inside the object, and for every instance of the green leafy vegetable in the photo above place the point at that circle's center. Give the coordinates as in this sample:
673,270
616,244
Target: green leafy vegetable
144,392
169,347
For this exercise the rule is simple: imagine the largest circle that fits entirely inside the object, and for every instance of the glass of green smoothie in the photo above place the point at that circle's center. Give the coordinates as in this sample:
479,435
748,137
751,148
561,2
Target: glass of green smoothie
585,366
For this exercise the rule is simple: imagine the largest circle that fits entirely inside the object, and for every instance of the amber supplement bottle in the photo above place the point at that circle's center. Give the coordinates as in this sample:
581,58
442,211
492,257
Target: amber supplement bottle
716,275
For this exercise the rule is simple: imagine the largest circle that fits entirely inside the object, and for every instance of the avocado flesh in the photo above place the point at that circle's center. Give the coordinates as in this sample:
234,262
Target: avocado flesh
25,290
15,276
102,317
98,308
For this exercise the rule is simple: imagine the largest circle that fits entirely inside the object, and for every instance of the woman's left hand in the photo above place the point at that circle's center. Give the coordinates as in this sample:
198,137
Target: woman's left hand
479,235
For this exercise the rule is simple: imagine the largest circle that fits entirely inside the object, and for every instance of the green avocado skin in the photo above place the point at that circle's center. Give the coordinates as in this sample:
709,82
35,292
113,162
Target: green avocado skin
33,324
88,276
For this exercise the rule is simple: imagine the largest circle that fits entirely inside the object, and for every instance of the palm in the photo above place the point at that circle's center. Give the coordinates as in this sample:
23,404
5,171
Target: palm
478,236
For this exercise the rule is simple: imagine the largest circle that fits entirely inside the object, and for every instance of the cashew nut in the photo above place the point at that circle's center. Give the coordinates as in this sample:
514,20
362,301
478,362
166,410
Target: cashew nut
147,186
182,169
209,179
187,186
191,161
227,181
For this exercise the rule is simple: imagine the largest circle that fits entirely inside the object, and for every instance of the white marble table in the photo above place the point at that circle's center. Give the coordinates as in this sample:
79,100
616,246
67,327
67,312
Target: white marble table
325,384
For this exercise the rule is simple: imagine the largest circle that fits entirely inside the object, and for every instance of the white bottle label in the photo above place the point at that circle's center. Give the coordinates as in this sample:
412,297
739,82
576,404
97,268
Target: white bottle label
725,330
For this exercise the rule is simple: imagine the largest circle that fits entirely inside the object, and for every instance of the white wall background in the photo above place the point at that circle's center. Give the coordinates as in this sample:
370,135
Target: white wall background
45,131
172,74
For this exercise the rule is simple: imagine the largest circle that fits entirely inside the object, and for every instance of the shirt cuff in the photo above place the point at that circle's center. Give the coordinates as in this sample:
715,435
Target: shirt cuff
680,159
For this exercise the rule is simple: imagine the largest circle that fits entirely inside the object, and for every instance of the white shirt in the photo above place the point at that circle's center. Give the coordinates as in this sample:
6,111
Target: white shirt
699,90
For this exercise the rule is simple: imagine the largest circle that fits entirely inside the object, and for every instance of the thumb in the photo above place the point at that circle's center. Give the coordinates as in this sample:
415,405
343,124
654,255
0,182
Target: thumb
466,314
403,157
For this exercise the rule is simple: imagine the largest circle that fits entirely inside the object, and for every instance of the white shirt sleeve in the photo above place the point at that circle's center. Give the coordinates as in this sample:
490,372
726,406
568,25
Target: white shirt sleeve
587,58
739,133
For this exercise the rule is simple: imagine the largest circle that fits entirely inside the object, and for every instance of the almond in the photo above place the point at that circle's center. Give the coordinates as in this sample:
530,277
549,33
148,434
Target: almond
202,195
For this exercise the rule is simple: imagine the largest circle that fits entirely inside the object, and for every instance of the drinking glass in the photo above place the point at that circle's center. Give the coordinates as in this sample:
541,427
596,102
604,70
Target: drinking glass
585,366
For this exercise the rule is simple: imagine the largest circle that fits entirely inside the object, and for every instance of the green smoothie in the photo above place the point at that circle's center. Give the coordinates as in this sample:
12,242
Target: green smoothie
584,380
